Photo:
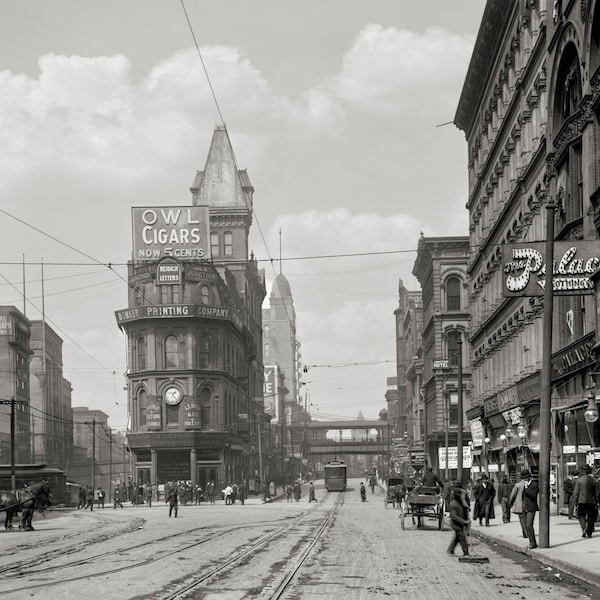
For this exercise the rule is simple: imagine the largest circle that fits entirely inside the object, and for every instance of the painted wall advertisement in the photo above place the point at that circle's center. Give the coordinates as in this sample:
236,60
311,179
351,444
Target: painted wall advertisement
180,232
153,414
191,415
524,268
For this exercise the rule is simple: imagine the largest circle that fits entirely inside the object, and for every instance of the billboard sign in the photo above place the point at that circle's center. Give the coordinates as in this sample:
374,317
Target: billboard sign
180,232
271,396
524,268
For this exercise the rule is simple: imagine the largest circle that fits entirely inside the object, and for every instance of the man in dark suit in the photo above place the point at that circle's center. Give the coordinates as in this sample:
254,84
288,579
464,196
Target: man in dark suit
484,499
530,505
585,497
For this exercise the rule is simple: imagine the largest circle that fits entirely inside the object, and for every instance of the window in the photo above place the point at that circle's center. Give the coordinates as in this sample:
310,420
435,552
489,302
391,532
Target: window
171,352
571,315
204,347
173,414
214,244
228,243
141,353
139,295
205,295
143,405
453,338
453,285
452,408
205,402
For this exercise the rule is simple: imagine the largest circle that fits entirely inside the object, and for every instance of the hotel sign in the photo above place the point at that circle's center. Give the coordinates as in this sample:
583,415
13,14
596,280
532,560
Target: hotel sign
524,268
179,232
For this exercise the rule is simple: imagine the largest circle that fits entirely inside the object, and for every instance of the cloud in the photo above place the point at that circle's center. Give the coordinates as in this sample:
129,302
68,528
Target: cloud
394,72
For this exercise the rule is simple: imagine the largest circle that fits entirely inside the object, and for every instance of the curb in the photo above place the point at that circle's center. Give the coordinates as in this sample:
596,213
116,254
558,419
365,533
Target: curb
538,555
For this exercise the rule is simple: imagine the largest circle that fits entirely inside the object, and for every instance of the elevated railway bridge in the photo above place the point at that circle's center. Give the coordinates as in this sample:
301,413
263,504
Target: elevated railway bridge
362,444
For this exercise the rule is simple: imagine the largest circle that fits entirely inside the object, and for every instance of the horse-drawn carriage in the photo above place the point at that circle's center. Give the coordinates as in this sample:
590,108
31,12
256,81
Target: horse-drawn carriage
424,503
395,491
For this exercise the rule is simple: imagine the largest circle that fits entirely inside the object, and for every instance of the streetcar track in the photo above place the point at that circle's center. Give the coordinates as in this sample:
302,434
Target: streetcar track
23,568
253,547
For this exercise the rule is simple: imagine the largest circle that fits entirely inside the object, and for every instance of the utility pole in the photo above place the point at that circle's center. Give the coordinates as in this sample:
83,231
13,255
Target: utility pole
459,432
93,464
546,391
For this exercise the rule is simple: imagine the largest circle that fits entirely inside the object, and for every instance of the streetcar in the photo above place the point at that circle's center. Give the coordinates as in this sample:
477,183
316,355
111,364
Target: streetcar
32,473
335,476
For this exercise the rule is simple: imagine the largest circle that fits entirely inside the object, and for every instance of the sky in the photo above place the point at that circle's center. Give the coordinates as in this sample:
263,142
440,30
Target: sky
338,109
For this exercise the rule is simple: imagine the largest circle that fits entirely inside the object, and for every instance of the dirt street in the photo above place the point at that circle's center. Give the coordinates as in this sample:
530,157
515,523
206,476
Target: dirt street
246,552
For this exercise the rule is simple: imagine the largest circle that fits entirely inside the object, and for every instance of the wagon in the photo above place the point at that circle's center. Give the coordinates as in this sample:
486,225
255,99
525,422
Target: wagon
390,496
424,503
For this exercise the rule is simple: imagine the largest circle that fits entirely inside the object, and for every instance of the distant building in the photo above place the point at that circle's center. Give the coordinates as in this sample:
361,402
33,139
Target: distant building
15,352
50,397
441,269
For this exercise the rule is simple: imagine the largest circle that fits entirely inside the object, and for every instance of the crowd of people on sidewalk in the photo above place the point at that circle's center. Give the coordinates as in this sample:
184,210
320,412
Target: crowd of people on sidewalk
582,499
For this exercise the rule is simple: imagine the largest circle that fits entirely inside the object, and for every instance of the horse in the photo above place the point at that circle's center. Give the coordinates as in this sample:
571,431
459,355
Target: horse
36,496
27,500
9,503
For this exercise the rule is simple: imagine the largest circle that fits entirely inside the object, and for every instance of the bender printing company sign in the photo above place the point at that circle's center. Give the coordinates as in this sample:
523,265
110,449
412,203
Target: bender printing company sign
179,232
524,268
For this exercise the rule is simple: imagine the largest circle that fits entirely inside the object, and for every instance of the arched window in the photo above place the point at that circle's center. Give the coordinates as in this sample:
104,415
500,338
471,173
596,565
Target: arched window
171,352
568,86
453,285
205,405
205,294
204,351
141,353
228,243
143,405
214,243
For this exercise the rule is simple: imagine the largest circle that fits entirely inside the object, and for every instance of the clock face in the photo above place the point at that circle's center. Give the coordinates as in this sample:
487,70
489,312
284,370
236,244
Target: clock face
172,395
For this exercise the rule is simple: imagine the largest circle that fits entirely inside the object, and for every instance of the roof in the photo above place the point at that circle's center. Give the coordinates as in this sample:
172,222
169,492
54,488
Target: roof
281,287
222,184
496,17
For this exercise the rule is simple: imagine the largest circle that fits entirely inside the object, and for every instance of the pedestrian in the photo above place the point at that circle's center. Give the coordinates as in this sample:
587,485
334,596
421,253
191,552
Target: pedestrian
242,492
372,482
117,501
89,501
311,493
227,494
568,487
459,520
523,501
363,492
585,497
484,500
288,492
101,496
173,499
297,491
504,490
148,494
197,493
81,497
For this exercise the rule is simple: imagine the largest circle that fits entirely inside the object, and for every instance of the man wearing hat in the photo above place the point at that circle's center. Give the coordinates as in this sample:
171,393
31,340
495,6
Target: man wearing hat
459,520
585,497
523,501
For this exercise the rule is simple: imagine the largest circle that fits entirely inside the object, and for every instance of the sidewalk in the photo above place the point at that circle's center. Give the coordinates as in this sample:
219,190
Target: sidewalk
568,551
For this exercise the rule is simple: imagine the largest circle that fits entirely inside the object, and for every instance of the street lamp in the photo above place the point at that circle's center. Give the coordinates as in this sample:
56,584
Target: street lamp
591,412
